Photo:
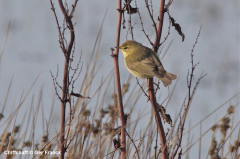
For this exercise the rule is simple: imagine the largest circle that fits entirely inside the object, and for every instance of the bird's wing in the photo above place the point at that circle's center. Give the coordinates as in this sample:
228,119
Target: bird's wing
160,68
148,66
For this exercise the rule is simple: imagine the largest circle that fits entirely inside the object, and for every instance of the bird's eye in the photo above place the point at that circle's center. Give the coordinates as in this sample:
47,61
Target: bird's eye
125,48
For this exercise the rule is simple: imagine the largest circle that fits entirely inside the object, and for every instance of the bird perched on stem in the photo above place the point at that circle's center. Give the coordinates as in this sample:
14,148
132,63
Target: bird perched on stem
143,62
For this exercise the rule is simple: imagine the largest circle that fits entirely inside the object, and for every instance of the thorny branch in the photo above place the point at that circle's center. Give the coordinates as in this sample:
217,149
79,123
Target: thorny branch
56,83
130,19
62,46
168,33
147,36
151,16
118,82
168,5
67,50
151,93
190,96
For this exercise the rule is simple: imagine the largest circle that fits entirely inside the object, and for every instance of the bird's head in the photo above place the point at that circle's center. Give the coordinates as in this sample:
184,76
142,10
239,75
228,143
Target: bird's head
128,46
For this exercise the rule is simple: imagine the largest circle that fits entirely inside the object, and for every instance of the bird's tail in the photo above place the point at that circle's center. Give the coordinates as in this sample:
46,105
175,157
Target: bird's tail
168,77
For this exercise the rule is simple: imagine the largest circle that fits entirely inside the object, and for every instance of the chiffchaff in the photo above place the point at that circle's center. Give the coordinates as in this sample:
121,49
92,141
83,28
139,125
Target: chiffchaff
143,62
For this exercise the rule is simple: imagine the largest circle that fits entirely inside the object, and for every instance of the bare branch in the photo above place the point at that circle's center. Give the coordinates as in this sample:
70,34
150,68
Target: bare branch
151,16
147,36
168,33
133,144
142,89
73,8
190,97
54,84
59,28
168,5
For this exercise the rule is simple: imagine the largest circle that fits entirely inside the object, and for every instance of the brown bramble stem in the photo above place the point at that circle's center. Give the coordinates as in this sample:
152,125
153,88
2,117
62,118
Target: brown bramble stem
157,118
118,83
64,101
151,88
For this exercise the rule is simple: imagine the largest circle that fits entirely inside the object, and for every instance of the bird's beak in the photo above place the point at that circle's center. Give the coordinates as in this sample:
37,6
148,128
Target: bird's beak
117,47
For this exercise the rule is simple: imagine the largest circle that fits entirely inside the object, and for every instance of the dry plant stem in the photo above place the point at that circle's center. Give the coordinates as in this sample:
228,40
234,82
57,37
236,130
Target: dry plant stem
140,18
151,16
133,144
118,84
160,25
130,22
190,94
63,107
155,154
151,88
65,78
157,118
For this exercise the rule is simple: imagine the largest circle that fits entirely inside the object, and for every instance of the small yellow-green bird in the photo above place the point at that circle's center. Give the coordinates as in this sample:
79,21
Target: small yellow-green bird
143,62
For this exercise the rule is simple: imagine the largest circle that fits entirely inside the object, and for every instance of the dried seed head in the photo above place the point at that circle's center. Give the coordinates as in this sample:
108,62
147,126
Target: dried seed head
236,144
45,138
224,128
86,113
96,131
231,109
36,146
215,157
103,112
125,88
98,123
114,97
225,120
16,129
13,142
213,147
27,144
214,127
231,148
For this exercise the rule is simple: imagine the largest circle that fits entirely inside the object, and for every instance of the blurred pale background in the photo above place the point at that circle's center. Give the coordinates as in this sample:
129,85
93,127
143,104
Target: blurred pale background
32,47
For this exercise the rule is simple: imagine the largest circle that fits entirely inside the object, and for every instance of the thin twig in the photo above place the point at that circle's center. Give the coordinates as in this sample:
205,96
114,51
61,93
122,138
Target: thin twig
156,146
168,4
190,96
67,52
130,21
54,84
142,88
73,8
168,33
151,16
59,28
147,36
133,144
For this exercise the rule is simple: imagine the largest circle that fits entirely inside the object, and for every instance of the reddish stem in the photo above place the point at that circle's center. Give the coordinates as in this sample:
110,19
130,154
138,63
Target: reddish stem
151,88
67,53
118,84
